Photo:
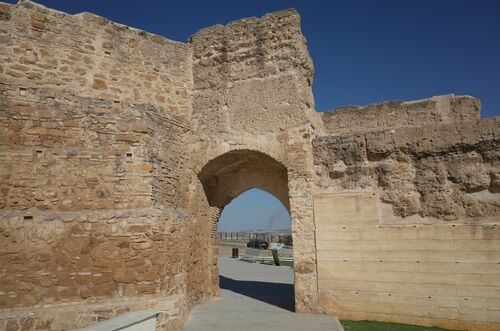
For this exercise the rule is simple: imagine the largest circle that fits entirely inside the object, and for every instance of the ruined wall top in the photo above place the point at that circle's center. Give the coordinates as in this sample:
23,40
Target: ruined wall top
252,76
392,114
250,48
239,76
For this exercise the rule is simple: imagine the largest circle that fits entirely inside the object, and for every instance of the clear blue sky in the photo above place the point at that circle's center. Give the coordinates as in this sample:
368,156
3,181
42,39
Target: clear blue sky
363,51
254,210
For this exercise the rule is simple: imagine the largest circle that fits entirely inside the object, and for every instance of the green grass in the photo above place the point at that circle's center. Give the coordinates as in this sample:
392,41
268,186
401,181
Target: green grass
381,326
283,263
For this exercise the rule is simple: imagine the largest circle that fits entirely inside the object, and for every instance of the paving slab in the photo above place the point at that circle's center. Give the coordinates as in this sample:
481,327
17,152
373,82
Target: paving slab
255,297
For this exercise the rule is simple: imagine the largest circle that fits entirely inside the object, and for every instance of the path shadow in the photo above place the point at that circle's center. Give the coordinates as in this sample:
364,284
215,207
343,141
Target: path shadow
277,294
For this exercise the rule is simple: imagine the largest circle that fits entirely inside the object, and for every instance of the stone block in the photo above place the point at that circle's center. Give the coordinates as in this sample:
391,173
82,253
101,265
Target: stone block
124,275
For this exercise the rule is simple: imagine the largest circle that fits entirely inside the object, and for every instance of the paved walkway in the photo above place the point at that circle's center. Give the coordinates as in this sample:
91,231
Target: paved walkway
255,297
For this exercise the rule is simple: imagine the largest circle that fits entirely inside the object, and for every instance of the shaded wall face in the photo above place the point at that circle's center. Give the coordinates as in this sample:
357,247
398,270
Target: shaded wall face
407,224
235,172
92,173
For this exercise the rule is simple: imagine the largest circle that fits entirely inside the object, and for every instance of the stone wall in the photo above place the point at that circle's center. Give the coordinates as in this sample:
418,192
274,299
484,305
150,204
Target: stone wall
408,224
74,268
244,73
119,149
87,54
441,171
252,93
92,172
393,114
68,152
80,94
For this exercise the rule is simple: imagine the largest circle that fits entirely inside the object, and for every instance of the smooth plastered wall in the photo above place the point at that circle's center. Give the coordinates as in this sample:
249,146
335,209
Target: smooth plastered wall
444,274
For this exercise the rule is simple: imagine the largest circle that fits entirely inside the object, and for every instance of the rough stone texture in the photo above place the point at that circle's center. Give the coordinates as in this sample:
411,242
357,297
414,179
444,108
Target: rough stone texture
440,171
93,193
76,315
425,241
254,119
392,114
119,149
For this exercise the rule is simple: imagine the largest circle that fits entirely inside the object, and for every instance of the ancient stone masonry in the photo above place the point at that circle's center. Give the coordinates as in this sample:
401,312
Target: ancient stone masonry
407,220
394,114
119,149
438,171
93,176
252,93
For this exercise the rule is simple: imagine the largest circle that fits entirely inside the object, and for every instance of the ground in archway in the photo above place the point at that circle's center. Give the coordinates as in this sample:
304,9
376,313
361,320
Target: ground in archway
254,297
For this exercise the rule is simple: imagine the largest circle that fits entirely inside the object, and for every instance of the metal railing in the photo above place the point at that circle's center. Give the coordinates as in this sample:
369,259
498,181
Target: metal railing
247,236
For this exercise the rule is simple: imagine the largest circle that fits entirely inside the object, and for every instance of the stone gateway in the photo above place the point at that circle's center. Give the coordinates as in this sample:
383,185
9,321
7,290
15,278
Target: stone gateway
119,149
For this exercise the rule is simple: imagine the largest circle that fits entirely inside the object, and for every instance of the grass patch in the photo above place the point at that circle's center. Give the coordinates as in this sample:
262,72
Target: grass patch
382,326
283,263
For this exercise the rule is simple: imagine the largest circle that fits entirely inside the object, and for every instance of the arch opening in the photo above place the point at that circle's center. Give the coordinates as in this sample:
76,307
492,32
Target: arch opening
228,175
227,179
241,214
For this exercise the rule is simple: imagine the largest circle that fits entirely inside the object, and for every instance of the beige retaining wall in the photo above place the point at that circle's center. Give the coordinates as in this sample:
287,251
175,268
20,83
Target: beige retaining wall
444,274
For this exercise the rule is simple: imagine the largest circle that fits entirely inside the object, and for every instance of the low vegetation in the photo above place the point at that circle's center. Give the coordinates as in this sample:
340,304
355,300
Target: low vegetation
381,326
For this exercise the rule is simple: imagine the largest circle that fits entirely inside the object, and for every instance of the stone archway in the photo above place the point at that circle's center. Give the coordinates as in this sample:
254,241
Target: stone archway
235,172
223,172
228,175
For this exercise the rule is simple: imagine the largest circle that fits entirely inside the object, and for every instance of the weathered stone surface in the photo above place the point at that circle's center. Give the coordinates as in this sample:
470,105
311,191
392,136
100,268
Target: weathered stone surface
119,149
426,171
99,84
123,275
393,114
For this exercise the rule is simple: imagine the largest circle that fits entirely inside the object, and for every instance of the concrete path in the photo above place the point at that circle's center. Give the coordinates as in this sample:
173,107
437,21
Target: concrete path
255,297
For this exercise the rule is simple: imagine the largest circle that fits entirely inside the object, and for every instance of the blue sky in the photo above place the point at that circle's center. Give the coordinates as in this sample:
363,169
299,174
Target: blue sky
254,210
363,51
